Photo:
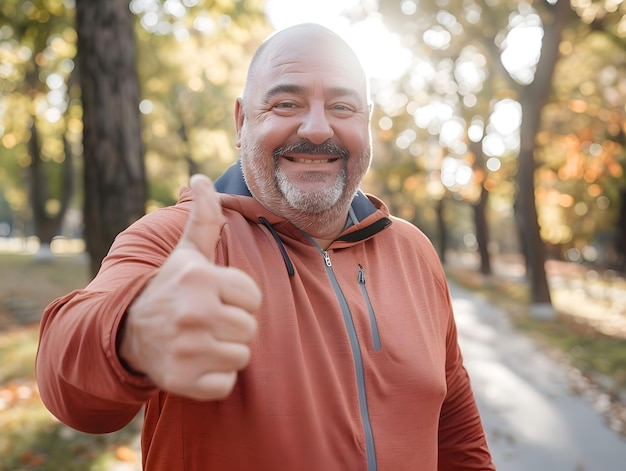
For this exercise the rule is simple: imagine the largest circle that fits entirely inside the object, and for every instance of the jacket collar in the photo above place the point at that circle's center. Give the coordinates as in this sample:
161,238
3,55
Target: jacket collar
368,215
231,182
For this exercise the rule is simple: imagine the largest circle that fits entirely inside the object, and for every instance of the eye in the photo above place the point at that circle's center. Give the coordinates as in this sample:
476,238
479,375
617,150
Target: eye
285,105
343,109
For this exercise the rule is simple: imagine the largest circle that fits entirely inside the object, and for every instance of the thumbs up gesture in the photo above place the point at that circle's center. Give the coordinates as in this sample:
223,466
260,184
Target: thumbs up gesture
189,329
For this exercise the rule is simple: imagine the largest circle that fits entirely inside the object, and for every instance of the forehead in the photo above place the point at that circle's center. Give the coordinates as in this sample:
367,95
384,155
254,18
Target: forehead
311,57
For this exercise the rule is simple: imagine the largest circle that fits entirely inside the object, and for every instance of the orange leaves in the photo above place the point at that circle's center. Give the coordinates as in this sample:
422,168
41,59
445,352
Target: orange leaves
125,454
16,393
33,460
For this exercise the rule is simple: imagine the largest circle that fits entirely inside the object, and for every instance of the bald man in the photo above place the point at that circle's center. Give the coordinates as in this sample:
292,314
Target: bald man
280,319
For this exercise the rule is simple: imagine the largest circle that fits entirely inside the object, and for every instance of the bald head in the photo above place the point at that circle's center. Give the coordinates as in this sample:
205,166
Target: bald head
306,38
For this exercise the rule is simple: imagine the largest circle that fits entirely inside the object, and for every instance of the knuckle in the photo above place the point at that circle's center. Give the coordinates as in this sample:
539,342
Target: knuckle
224,389
249,330
172,383
241,360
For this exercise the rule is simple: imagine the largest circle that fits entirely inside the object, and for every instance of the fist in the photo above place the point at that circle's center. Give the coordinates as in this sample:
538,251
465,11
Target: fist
189,329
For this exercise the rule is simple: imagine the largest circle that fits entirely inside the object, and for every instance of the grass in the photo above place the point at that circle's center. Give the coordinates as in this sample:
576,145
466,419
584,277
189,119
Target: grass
31,438
594,354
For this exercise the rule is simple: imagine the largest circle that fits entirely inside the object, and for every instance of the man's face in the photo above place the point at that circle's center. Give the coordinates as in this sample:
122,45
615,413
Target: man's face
303,127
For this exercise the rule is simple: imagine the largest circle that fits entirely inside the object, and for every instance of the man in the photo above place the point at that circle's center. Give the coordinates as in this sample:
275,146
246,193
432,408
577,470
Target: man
286,323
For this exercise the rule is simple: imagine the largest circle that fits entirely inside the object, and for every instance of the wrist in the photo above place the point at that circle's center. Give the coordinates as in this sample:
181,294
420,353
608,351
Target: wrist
122,344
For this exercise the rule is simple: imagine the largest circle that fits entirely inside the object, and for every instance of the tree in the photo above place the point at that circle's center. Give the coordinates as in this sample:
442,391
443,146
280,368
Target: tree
441,36
533,97
36,81
47,223
192,66
114,170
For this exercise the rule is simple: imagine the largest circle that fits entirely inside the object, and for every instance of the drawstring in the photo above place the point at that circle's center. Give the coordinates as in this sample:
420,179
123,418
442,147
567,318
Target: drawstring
282,248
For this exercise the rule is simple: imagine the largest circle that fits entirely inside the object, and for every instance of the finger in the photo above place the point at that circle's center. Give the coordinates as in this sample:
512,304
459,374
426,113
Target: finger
205,221
226,323
233,324
237,288
212,355
214,385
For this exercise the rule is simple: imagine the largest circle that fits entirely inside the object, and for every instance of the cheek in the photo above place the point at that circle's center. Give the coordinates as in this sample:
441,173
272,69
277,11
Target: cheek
272,132
354,134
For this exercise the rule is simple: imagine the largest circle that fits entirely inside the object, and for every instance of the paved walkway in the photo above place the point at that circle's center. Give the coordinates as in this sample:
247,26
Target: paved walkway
533,419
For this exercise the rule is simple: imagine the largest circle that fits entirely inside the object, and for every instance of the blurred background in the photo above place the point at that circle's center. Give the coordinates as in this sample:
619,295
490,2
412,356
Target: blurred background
499,129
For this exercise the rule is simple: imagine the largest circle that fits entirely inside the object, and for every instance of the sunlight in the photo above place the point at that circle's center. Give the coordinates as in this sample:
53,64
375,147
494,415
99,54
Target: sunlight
378,49
503,130
522,47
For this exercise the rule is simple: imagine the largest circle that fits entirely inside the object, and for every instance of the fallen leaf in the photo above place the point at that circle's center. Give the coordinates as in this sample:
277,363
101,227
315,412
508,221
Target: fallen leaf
123,453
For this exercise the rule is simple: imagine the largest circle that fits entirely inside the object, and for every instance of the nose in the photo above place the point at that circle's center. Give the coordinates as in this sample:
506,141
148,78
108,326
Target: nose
315,126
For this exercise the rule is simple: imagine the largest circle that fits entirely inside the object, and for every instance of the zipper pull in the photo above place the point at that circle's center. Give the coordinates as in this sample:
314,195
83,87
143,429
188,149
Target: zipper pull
361,277
327,258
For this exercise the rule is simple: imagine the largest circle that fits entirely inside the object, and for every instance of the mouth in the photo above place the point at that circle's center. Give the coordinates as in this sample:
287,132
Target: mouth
305,152
311,161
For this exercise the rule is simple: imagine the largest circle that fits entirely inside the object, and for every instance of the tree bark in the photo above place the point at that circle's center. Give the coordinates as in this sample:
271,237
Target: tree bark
47,225
443,230
532,99
480,217
620,241
114,174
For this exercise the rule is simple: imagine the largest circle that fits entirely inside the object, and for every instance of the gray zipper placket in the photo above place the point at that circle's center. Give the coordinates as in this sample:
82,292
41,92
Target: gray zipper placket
358,359
370,309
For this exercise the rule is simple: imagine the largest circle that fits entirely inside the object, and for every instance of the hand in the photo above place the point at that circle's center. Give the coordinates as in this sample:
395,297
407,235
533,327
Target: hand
189,329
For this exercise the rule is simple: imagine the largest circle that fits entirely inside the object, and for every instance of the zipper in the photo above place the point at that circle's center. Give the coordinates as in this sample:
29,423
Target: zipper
327,258
370,309
358,361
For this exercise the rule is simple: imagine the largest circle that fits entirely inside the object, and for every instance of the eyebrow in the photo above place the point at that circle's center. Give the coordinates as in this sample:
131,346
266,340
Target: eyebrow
300,90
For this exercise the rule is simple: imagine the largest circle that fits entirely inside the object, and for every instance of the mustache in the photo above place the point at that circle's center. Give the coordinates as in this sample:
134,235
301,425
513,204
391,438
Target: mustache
307,147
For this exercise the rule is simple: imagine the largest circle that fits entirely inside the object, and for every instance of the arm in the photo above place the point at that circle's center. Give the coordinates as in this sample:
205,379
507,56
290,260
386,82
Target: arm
80,376
162,304
462,443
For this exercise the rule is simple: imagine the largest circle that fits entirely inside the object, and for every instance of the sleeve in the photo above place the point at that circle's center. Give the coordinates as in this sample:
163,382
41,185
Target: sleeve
462,442
79,374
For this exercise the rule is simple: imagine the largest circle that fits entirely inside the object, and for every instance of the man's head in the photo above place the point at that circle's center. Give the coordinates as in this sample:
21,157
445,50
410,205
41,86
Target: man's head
303,127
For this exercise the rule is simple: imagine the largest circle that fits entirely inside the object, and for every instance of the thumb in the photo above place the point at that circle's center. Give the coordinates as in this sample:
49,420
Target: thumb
205,221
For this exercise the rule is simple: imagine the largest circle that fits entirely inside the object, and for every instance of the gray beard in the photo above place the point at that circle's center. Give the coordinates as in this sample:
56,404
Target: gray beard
315,202
310,212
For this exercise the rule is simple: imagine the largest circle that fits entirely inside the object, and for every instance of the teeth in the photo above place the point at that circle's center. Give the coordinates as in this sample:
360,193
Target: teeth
313,161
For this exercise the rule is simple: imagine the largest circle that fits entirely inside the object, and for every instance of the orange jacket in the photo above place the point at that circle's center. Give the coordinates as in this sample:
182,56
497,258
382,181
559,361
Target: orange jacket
355,365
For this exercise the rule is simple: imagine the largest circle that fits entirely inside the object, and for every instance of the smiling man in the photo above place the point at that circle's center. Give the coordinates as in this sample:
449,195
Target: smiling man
286,321
303,128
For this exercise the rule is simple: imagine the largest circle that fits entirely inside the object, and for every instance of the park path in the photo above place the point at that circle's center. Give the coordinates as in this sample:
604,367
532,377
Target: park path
534,419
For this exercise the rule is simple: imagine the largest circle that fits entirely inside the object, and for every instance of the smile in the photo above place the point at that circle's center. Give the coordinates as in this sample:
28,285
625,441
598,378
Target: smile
311,161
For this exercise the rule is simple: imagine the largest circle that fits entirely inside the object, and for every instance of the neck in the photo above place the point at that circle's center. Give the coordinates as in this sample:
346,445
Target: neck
323,243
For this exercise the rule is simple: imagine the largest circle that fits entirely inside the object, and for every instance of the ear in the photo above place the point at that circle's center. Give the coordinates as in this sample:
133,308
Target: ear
239,119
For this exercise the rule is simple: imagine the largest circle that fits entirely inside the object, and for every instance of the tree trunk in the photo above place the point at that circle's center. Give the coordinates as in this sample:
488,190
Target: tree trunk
528,226
480,217
47,225
482,232
532,100
620,241
114,178
443,230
